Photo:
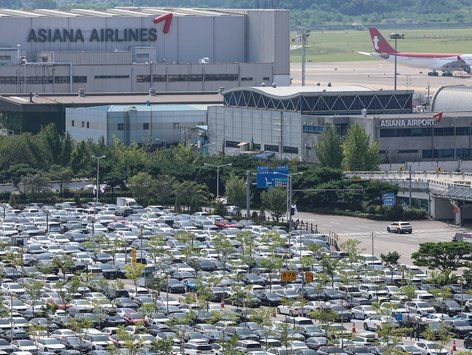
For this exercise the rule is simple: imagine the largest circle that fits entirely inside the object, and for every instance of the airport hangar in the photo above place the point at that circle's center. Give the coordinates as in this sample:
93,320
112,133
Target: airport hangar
287,122
134,49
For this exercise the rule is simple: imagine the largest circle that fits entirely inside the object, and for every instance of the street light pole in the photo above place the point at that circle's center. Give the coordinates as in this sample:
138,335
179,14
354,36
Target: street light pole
217,176
396,37
303,35
98,175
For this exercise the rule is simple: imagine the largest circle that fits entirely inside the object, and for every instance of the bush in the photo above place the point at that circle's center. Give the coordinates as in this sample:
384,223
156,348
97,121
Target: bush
414,213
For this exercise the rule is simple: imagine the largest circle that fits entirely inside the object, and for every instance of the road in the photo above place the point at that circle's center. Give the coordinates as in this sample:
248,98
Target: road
372,74
361,229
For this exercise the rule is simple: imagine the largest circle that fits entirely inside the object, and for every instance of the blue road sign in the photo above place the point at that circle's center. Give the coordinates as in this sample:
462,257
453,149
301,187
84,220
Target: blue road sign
267,178
388,199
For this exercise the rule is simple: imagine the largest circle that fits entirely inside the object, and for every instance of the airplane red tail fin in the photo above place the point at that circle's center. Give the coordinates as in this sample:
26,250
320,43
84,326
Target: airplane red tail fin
379,42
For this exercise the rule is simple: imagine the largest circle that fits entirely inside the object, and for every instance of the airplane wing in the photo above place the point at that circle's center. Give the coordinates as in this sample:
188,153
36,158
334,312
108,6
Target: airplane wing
458,64
367,54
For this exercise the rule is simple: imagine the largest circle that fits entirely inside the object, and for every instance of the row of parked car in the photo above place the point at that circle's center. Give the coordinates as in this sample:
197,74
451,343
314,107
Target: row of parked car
208,285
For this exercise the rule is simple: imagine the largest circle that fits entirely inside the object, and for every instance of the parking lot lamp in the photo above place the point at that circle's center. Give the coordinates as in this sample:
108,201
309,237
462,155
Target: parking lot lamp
462,282
4,206
218,167
141,242
396,37
97,187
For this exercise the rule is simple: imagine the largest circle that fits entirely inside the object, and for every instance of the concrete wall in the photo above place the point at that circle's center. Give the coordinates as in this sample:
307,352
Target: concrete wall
96,119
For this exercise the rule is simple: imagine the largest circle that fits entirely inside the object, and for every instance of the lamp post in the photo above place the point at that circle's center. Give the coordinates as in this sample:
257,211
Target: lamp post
98,175
396,37
289,196
462,281
218,167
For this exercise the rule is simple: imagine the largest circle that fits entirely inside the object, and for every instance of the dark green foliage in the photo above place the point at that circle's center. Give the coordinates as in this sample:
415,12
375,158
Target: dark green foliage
443,256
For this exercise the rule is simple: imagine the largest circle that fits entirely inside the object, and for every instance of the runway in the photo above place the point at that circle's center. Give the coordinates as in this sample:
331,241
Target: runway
373,74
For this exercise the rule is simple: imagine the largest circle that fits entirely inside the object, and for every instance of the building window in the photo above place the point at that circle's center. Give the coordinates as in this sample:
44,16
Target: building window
88,124
266,78
439,153
221,77
83,124
463,153
444,131
408,151
271,148
231,144
291,150
111,76
5,57
79,79
72,123
256,146
312,129
7,79
142,55
427,154
39,79
247,78
143,78
146,126
175,125
62,79
159,78
462,131
405,132
120,126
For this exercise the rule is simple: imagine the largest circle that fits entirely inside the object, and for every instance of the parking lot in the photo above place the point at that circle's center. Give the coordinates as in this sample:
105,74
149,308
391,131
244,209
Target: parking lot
99,279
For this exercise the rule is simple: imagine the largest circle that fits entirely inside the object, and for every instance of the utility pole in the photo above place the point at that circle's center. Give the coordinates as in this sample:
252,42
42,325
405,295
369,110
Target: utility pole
373,252
396,37
409,185
217,176
303,34
248,194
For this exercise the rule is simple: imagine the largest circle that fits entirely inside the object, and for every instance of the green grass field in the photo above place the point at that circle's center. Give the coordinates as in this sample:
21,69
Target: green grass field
338,46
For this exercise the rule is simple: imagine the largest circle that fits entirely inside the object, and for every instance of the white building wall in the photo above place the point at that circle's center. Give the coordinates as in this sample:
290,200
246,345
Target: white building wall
77,120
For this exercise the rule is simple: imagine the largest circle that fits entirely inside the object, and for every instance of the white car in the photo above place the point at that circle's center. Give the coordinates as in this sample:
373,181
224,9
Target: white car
293,310
362,312
430,348
377,322
400,227
420,308
12,288
49,345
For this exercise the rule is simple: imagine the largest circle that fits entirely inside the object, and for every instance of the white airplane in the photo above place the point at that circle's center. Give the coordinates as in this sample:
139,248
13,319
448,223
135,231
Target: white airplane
448,63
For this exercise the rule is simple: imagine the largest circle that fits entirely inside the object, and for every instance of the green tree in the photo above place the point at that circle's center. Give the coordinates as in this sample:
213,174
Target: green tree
62,175
142,185
359,154
391,259
274,200
133,272
443,256
35,185
33,290
63,263
236,191
329,150
189,195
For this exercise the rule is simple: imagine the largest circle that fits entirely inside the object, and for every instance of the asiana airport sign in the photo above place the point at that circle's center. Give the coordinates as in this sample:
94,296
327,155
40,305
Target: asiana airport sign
425,122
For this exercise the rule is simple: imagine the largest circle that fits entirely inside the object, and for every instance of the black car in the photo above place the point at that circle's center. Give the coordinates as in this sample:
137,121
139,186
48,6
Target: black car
460,327
449,307
76,343
468,341
270,299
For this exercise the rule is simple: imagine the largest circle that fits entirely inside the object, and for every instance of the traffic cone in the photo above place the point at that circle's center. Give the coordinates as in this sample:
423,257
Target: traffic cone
223,301
454,346
353,327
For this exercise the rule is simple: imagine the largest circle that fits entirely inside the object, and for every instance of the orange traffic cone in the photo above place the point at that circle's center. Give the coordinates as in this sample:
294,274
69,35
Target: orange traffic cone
354,327
454,346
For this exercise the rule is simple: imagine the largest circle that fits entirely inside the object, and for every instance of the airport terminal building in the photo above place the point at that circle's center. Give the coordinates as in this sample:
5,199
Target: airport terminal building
287,122
135,49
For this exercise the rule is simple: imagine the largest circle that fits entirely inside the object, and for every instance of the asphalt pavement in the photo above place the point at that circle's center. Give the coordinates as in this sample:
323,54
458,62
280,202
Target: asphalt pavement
361,229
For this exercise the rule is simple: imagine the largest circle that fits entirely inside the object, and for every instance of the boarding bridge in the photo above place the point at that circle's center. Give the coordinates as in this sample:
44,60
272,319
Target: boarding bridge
449,195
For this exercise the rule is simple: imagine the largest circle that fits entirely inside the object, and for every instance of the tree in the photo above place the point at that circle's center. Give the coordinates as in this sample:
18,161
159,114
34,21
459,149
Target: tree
142,186
133,272
17,171
33,290
275,201
391,259
359,154
443,255
236,191
329,151
63,263
35,185
189,195
62,175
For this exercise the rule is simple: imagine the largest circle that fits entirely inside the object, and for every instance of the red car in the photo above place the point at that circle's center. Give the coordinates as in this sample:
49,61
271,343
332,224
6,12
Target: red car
223,223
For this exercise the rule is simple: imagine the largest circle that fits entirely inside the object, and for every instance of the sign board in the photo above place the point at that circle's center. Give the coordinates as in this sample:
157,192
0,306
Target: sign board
134,258
388,199
288,276
308,276
267,178
424,122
